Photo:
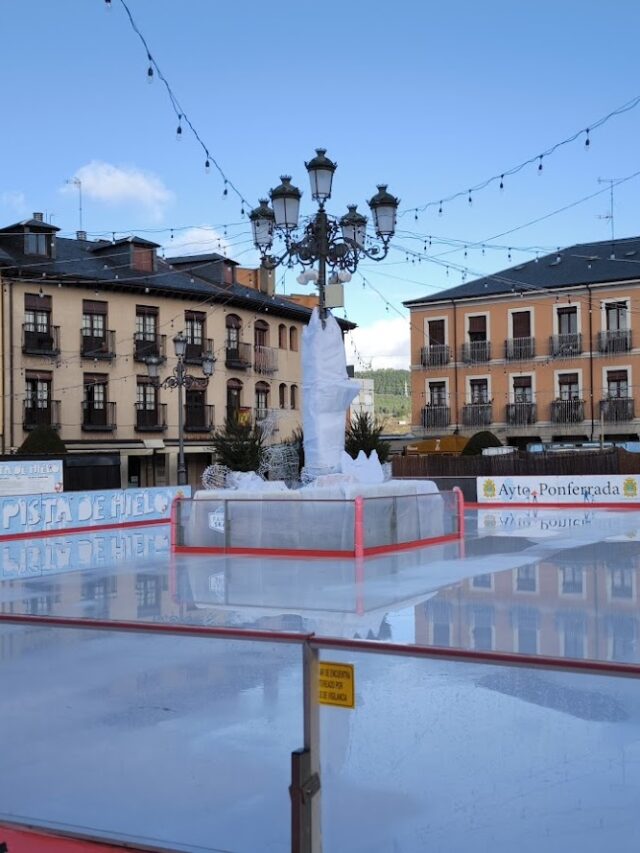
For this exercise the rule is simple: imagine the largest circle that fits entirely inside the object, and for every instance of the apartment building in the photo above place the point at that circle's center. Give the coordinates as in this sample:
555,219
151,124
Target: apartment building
542,351
82,320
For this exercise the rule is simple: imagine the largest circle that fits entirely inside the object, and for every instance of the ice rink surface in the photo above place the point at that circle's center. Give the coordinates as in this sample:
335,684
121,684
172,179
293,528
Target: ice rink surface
186,742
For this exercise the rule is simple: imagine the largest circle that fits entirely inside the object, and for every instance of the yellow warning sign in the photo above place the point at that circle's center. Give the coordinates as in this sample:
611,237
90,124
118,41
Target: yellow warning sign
336,684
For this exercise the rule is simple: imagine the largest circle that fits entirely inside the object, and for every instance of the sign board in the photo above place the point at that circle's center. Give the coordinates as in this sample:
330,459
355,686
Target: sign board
14,840
31,477
24,514
599,488
336,684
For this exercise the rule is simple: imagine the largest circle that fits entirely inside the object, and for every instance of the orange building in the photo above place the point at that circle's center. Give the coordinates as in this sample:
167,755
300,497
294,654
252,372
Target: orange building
543,351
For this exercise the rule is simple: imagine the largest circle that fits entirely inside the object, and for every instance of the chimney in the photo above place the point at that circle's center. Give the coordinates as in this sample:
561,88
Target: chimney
39,217
81,235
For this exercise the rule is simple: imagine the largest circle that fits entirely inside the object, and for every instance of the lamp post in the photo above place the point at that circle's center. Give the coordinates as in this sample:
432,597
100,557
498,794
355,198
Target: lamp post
335,243
180,379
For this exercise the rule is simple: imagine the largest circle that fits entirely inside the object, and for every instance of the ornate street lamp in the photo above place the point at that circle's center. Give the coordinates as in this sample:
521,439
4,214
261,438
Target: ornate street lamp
180,379
325,240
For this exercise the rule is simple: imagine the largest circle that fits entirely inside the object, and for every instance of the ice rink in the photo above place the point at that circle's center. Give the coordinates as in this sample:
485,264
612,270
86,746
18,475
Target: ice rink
185,742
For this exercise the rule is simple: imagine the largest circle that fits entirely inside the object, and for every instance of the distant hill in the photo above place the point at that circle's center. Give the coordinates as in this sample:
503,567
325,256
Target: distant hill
392,397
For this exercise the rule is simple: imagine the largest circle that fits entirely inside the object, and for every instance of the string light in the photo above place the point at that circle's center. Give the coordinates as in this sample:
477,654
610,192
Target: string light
587,141
540,163
207,166
150,69
179,129
501,182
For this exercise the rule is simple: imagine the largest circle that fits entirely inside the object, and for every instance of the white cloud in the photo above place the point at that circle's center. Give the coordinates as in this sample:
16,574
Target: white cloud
197,241
384,343
15,201
123,185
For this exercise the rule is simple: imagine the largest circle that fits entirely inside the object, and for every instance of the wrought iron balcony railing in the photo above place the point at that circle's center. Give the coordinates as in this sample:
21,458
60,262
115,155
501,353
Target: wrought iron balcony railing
521,414
436,417
614,341
152,419
567,411
238,356
40,339
265,360
102,347
194,353
435,355
617,409
199,418
40,413
477,414
565,346
519,349
149,346
98,418
476,352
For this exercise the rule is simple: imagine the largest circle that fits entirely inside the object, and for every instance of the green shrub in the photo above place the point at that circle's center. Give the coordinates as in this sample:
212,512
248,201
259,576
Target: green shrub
43,439
363,433
239,445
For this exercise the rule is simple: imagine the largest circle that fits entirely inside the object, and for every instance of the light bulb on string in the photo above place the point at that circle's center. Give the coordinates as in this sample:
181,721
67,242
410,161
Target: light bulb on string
501,182
225,191
150,69
107,5
470,200
540,163
440,210
179,129
587,141
207,166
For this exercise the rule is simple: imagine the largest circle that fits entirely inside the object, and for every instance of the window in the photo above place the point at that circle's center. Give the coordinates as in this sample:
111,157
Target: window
436,332
478,329
195,409
479,390
234,397
525,623
146,322
95,390
36,244
233,326
482,582
194,328
293,339
521,324
37,313
262,400
622,631
261,333
282,336
621,583
573,635
142,258
572,580
522,389
616,316
282,396
568,321
293,396
482,628
38,392
438,393
94,319
617,384
526,580
146,395
568,386
440,614
148,594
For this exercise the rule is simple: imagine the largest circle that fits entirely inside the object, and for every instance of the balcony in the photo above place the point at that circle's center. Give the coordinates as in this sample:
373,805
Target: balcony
567,411
521,414
519,349
40,340
149,346
436,417
194,353
436,355
101,347
151,420
37,413
614,341
477,414
565,346
476,352
617,409
265,360
238,356
199,418
98,418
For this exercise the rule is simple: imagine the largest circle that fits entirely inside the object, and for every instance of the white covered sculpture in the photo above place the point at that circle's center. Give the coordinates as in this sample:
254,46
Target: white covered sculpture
327,394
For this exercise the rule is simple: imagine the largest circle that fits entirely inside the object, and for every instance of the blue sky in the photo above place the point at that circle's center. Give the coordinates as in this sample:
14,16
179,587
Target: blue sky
430,98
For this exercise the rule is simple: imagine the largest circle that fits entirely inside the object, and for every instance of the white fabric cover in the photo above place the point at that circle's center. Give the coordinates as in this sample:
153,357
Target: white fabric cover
327,393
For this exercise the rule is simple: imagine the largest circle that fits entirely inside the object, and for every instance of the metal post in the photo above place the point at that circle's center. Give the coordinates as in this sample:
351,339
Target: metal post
323,239
306,831
182,469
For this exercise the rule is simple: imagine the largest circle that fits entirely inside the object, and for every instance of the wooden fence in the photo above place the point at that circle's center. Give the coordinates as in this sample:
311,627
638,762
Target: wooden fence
610,461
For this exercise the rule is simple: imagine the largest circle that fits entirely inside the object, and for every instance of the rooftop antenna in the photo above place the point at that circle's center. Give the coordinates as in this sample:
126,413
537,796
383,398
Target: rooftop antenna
77,183
609,216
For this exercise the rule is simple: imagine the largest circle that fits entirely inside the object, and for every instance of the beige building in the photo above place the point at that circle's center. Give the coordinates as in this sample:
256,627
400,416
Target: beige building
545,351
81,319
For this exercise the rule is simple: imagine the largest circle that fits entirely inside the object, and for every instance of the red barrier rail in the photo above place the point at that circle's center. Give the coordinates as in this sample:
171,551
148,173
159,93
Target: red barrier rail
312,640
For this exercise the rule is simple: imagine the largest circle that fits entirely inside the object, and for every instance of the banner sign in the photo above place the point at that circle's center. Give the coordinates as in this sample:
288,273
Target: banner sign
22,515
30,478
598,489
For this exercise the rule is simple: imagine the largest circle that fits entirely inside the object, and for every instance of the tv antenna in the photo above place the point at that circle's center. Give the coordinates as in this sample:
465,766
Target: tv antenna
612,182
77,183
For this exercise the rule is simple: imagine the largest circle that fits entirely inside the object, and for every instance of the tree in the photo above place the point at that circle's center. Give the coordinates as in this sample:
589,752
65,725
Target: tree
363,433
479,441
239,445
296,439
44,439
